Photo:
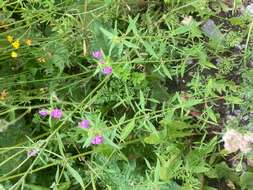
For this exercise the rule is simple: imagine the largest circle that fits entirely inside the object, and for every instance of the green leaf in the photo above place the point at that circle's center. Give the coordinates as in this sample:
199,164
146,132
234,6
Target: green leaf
166,71
1,4
2,187
76,175
209,188
246,180
190,103
180,30
223,171
208,64
152,139
179,125
64,186
233,100
108,2
35,187
127,130
132,24
211,115
157,170
130,45
107,33
149,49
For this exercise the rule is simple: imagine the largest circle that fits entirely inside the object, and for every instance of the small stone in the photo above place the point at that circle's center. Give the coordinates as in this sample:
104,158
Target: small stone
237,112
211,30
245,118
249,9
250,64
250,161
230,118
190,62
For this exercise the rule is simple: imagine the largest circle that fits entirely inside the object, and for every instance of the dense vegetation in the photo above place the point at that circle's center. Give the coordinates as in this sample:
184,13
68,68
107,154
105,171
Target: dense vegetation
126,94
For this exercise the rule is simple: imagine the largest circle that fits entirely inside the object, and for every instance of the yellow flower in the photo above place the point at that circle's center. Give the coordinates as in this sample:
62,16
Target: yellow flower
14,54
16,44
9,38
28,42
41,60
3,95
187,20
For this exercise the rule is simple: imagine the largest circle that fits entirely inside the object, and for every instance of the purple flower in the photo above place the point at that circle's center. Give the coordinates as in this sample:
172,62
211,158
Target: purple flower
32,152
99,139
56,113
84,124
43,112
107,70
98,54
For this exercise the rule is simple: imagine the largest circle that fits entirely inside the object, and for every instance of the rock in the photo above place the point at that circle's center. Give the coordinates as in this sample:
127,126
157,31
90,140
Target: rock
237,112
249,9
211,30
250,161
250,64
230,118
245,118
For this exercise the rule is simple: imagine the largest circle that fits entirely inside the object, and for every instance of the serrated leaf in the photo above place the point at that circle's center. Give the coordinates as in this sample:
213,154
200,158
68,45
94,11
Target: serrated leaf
233,99
190,103
211,115
149,49
127,130
107,33
166,71
76,175
132,24
130,45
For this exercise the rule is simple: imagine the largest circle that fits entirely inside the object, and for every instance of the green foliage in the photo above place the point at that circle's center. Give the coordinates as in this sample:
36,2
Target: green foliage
180,71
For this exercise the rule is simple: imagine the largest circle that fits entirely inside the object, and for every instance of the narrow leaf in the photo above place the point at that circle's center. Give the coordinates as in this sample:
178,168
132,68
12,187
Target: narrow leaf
127,130
76,175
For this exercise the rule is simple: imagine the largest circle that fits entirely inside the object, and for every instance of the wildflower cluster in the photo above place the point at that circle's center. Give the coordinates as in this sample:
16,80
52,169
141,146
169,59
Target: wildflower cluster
98,139
16,44
55,113
85,124
98,54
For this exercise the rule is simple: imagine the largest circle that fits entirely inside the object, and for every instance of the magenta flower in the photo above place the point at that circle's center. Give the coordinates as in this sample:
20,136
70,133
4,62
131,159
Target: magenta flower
84,124
99,139
97,54
56,113
32,152
43,112
107,70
